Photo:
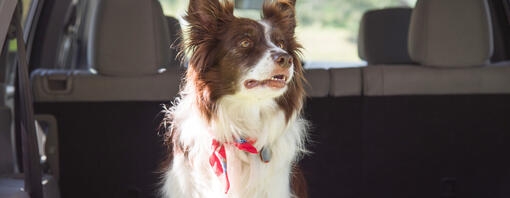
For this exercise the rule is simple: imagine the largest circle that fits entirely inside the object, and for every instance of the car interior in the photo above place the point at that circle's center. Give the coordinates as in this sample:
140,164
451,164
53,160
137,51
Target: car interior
424,116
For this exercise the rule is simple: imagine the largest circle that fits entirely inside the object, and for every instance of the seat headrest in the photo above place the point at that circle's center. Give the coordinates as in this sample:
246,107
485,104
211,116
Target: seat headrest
175,32
382,37
131,38
450,33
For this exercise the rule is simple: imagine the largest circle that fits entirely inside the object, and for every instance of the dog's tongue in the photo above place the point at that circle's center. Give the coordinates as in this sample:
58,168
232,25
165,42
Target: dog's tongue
277,84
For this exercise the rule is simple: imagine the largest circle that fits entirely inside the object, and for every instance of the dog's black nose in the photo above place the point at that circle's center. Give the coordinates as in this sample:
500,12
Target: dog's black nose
282,59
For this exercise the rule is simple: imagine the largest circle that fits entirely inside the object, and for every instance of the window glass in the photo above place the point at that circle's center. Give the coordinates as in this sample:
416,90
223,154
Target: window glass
26,7
327,29
12,47
8,58
176,8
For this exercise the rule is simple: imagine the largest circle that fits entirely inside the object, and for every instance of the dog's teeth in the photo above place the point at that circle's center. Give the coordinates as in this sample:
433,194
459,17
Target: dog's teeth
278,78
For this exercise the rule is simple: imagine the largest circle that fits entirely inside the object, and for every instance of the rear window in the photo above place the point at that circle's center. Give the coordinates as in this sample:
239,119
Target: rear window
327,29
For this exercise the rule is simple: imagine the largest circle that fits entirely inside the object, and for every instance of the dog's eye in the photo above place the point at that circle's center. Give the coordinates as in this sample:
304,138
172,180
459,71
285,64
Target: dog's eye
245,43
280,44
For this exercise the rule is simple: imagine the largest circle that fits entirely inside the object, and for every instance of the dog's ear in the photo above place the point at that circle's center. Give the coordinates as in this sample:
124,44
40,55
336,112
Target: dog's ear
280,10
209,14
206,18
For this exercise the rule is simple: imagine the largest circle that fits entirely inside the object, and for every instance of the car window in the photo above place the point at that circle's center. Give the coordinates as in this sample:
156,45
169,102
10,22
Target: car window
11,46
327,29
26,9
8,59
26,4
7,75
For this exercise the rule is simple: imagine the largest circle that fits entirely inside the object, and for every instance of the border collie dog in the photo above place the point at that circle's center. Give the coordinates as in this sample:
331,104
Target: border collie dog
236,128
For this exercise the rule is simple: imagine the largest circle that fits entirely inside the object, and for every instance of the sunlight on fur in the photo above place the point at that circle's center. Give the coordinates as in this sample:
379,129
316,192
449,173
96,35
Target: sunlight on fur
243,92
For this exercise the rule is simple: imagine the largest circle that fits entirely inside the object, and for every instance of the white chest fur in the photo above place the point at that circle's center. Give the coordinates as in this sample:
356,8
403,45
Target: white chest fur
192,175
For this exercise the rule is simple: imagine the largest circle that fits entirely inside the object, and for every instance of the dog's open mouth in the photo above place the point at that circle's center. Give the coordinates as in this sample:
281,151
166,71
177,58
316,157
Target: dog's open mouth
277,82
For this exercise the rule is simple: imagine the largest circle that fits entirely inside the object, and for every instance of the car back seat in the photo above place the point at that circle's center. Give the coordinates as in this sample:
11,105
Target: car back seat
106,119
175,32
382,36
439,128
452,53
334,169
334,111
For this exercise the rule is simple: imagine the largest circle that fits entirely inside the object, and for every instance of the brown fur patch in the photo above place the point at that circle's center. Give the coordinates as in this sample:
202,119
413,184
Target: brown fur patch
298,183
217,61
282,14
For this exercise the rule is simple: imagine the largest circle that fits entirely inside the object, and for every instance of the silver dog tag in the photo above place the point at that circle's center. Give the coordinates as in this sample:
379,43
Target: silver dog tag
265,154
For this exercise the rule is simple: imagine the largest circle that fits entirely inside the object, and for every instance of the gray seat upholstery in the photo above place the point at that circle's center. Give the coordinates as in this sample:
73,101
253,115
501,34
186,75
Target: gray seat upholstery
421,80
318,82
175,32
12,187
80,86
438,128
131,60
338,82
334,111
444,34
379,30
500,31
452,45
382,37
345,82
129,44
106,116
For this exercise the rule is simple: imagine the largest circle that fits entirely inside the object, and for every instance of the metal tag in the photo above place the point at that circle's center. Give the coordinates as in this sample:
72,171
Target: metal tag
265,154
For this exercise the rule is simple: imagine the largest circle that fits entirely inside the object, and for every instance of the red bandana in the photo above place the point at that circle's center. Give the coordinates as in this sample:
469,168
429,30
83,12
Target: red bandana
218,159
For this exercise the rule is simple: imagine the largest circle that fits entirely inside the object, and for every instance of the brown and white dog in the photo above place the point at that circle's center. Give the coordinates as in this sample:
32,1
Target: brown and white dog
236,129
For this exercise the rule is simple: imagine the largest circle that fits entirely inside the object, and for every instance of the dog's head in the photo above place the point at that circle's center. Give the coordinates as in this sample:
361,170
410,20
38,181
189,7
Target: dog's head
255,60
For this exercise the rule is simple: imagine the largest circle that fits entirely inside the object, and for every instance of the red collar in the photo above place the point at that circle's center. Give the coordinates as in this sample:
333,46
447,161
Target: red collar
218,159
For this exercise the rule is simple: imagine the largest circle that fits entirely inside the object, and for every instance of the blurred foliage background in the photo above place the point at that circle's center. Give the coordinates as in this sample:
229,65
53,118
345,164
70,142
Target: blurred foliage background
327,29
